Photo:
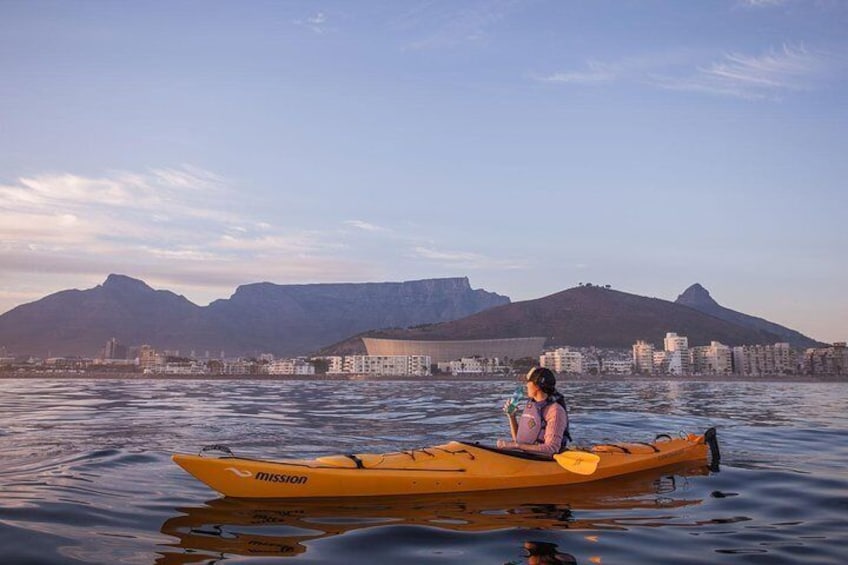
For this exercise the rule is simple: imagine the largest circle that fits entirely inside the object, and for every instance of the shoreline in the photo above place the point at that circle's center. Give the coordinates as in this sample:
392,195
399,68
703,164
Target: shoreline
438,378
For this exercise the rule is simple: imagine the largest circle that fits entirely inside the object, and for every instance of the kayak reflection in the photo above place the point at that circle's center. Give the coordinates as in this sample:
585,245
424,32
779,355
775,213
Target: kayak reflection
281,528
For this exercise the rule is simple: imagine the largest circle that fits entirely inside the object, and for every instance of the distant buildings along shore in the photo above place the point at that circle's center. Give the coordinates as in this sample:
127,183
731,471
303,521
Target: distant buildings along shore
410,358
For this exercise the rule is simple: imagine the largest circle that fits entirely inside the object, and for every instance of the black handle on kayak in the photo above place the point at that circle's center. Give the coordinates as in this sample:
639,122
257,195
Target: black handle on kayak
711,440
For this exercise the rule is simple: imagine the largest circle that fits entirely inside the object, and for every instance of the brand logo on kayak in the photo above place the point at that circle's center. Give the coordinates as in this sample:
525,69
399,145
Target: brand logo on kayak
275,478
239,472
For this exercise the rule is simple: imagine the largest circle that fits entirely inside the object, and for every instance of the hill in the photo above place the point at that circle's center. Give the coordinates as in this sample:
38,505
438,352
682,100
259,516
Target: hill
258,318
589,316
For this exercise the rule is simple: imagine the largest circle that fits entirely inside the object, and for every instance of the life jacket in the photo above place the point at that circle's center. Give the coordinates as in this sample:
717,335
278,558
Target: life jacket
531,426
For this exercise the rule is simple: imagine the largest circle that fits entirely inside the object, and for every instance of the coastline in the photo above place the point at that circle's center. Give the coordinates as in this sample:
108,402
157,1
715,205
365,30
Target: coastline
436,378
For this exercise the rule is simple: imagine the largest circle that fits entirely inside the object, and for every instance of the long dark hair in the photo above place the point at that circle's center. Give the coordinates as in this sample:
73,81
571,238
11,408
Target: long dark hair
546,380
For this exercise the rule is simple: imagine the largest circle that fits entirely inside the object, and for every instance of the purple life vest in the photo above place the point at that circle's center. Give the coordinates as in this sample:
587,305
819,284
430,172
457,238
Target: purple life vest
531,426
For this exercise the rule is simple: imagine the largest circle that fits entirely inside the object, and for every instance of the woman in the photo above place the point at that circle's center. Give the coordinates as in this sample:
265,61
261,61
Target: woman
543,427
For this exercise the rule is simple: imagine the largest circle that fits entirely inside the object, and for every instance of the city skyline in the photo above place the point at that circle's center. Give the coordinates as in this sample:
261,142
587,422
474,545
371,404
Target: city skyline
529,146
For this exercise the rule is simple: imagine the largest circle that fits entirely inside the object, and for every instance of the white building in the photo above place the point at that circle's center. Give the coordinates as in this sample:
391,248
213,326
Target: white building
643,357
563,360
617,367
296,366
677,350
713,359
388,365
473,366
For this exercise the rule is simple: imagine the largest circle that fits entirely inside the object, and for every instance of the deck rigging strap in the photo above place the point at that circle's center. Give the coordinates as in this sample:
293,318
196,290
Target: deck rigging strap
222,451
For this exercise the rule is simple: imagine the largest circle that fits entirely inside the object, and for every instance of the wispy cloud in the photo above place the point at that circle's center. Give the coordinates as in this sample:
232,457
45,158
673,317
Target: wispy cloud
467,22
790,68
753,77
464,259
317,22
761,3
365,226
595,72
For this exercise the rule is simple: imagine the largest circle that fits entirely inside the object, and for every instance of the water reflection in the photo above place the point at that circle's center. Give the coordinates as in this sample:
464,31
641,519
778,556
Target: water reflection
276,528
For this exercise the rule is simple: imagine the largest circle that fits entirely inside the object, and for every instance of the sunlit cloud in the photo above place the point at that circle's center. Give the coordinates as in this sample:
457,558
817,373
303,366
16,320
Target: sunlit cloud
176,228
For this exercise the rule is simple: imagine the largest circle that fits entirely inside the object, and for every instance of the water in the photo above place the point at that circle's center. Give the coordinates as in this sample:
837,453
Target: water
85,474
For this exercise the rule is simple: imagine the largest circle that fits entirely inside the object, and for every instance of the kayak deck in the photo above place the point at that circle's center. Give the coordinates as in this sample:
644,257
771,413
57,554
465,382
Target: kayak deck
448,468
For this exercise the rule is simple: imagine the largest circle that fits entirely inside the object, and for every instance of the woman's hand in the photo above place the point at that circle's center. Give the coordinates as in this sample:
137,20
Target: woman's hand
509,408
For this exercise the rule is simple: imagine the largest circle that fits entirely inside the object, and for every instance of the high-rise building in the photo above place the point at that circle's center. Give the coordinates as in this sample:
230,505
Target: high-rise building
643,357
563,360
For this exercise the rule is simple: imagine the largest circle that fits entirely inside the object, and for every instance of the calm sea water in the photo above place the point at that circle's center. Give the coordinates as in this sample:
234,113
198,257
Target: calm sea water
86,476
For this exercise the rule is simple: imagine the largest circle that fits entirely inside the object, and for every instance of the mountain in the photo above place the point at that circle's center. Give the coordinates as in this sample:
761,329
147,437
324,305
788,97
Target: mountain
697,297
258,318
587,316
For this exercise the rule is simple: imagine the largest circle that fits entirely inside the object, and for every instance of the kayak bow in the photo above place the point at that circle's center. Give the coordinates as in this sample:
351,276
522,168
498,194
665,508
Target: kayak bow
452,467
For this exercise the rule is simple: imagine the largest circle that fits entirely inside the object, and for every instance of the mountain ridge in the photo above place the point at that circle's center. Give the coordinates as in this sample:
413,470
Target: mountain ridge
587,316
699,298
257,318
301,319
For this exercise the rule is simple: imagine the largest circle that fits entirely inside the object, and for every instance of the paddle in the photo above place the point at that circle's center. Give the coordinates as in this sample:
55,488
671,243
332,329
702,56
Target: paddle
579,462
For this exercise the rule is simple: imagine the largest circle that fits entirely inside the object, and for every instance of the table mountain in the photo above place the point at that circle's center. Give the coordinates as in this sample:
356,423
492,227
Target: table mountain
258,318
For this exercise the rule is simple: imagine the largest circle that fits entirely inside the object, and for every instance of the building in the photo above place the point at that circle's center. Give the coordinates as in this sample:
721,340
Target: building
335,364
473,366
296,366
831,360
713,359
114,350
388,365
677,354
443,351
760,360
148,358
616,367
563,360
643,357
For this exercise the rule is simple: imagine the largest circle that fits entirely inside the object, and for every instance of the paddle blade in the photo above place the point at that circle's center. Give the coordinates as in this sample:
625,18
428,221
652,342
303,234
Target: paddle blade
579,462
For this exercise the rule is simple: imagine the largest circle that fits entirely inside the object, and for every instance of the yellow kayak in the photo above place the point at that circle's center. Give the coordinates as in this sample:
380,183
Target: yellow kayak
277,528
449,468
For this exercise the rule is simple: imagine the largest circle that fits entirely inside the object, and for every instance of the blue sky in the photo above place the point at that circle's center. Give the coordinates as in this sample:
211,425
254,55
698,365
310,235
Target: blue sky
527,145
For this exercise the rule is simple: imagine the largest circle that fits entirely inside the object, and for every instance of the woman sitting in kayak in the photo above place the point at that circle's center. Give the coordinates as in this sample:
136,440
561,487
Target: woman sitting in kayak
543,427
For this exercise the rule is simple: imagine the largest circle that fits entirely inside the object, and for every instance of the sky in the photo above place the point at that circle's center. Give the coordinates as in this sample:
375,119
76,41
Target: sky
528,145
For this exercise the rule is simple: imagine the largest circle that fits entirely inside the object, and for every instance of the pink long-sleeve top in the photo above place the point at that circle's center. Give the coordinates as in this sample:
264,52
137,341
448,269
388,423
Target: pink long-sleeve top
556,421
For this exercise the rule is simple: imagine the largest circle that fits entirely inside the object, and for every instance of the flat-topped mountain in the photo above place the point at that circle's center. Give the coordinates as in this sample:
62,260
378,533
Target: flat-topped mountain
258,318
591,316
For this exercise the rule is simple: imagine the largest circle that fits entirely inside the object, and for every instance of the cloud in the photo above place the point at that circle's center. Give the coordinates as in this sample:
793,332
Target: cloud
316,22
596,72
441,26
789,68
762,3
166,216
365,226
464,259
752,77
